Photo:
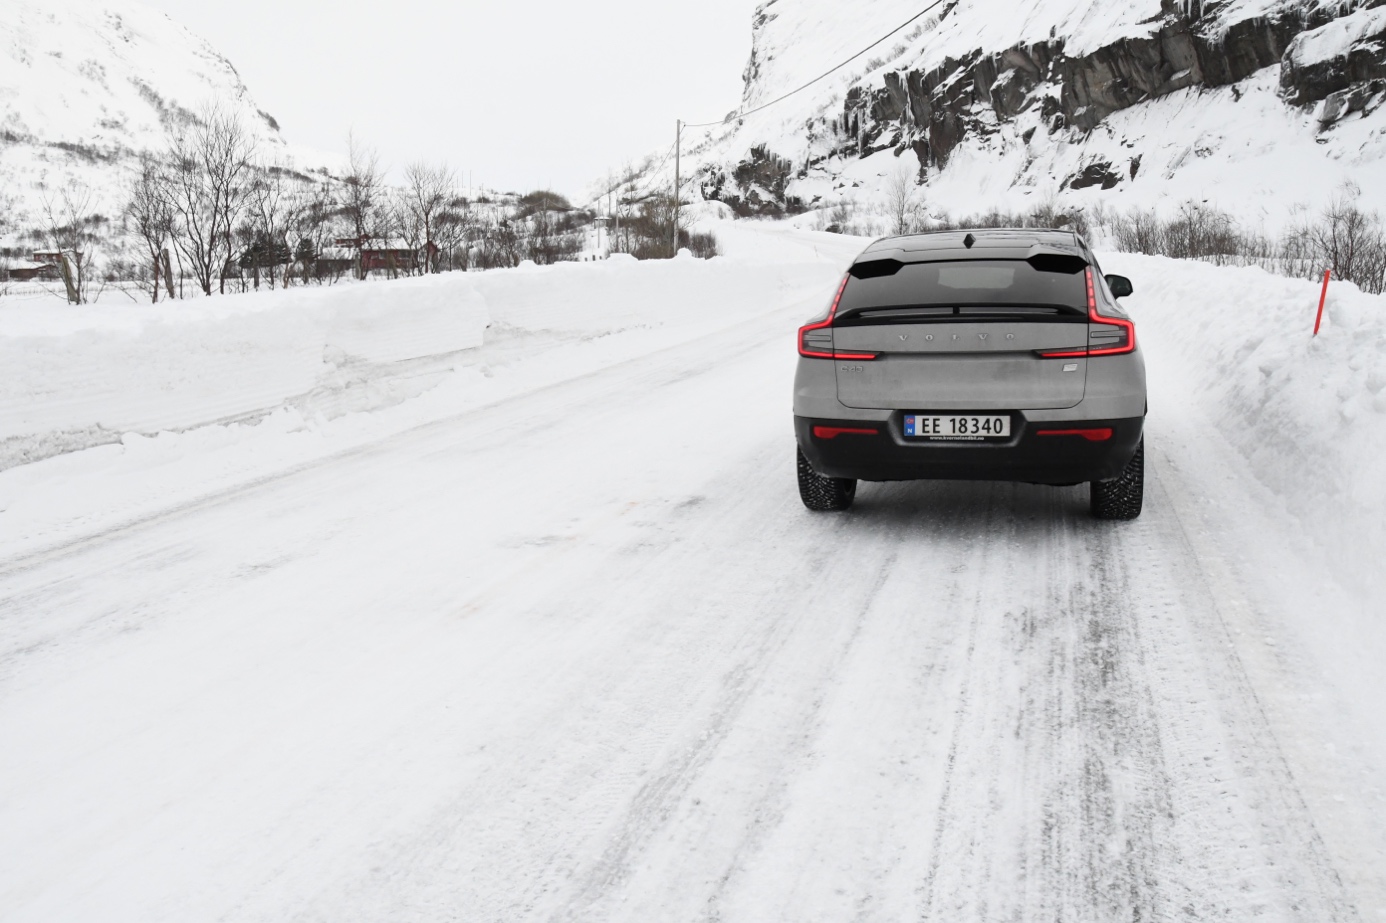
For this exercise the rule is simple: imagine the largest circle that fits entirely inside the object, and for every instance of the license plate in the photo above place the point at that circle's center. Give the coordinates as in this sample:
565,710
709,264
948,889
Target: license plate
958,428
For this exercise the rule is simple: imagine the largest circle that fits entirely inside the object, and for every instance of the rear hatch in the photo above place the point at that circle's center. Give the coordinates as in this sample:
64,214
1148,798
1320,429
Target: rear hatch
962,335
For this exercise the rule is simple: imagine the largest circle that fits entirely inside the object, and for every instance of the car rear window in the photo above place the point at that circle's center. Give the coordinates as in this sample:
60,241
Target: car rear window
966,282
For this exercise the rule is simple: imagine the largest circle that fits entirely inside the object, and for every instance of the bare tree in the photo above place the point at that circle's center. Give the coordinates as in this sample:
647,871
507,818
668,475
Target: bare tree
623,206
312,225
625,222
150,212
361,192
653,229
1349,241
902,202
272,203
209,169
427,191
406,226
6,223
456,225
502,243
1138,231
6,213
70,229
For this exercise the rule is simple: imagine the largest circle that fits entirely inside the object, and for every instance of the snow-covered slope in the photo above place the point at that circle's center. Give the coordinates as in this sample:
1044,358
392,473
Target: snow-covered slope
85,85
1252,104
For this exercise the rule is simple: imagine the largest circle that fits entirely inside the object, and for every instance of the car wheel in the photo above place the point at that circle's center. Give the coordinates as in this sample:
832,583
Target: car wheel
824,495
1121,497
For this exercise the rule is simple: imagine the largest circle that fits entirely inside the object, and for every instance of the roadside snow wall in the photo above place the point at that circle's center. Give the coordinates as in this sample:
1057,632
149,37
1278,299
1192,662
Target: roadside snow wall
119,368
1307,413
74,378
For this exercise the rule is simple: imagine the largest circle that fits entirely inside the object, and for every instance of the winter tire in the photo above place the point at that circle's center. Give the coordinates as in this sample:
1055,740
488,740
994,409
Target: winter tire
824,495
1121,497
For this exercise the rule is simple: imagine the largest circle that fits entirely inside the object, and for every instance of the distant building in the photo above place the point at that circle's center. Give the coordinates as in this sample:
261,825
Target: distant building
45,266
395,256
335,261
382,255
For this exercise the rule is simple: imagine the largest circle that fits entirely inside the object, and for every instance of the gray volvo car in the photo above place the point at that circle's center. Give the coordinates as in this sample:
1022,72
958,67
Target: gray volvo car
997,354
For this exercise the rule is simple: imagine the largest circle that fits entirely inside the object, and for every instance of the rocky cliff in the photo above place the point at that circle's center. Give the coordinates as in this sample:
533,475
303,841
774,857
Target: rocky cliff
1058,101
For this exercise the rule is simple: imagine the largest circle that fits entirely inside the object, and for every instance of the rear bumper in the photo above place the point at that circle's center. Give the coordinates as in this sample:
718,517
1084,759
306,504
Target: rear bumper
1067,457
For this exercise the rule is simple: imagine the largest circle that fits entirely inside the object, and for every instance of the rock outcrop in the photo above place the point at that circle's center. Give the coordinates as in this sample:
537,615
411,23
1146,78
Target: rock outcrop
942,105
1342,64
757,186
1328,58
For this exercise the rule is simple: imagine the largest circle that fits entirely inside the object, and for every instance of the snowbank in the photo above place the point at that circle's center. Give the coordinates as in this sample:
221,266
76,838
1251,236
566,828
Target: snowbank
139,372
622,293
74,378
178,364
1308,414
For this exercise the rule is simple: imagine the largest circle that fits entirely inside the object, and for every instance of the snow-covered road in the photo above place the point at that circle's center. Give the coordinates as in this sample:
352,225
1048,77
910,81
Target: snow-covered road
579,653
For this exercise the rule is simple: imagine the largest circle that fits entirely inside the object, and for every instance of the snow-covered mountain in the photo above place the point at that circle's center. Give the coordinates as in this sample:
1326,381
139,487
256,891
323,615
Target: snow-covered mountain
1254,105
86,85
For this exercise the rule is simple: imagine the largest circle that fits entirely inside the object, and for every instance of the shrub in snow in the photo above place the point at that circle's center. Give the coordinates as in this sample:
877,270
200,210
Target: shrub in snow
1344,239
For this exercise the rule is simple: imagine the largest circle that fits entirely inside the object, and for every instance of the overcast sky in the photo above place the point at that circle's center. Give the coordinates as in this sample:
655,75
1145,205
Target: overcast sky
522,94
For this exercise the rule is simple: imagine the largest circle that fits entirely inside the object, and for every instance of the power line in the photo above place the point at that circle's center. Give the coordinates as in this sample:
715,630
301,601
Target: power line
827,73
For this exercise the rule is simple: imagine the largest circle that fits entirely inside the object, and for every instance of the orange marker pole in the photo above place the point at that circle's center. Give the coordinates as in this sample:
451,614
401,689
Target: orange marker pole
1322,298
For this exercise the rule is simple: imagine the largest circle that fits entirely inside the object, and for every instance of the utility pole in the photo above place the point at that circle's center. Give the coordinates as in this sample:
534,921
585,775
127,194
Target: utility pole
678,143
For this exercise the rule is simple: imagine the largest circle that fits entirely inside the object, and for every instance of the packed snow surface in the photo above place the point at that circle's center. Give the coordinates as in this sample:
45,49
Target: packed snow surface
538,629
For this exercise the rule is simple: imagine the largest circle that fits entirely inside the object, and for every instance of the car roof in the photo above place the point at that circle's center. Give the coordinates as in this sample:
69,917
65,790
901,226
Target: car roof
988,243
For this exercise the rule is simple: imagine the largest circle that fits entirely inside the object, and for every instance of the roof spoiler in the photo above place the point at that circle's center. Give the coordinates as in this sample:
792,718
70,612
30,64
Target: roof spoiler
1043,260
874,269
1069,264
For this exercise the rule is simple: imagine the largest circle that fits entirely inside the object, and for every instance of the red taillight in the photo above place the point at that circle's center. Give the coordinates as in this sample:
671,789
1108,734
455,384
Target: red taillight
832,432
1128,341
1091,435
825,351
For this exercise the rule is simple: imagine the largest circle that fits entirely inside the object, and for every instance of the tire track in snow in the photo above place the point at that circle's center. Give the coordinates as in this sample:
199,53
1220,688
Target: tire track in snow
676,751
655,802
1298,874
945,811
771,822
1055,790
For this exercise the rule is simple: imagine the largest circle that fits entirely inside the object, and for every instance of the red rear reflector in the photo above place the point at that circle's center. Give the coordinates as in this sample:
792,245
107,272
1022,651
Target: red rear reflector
1091,435
832,432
